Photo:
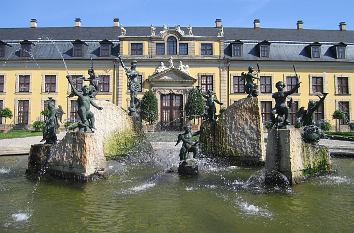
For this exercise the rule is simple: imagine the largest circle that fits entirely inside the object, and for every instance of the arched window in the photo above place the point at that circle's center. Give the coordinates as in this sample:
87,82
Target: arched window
171,46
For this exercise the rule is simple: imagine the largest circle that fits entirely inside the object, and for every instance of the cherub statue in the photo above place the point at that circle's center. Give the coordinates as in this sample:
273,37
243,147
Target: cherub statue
123,31
153,30
281,110
188,144
190,30
170,62
305,117
93,80
251,87
133,85
160,68
210,105
84,101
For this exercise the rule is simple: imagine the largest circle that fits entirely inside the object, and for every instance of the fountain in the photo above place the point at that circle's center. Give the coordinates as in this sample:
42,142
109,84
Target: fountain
80,155
289,151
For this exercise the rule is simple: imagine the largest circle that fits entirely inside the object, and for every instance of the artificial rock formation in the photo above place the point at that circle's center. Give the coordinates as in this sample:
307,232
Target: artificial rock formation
82,155
288,154
237,134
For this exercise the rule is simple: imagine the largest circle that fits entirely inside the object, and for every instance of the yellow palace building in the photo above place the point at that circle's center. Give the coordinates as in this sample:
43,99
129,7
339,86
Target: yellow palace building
34,62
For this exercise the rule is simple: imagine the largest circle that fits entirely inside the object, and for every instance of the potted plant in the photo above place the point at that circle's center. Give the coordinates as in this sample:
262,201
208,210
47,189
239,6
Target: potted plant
6,113
149,109
195,105
338,115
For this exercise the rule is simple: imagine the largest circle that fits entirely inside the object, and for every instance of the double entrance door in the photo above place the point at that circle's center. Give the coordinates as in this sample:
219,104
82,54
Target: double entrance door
171,112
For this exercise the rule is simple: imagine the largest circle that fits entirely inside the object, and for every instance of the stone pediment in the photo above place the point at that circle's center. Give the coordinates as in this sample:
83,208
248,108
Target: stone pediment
172,75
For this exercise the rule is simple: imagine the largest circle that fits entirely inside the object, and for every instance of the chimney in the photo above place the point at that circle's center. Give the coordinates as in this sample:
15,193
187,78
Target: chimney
256,23
33,23
300,24
116,22
342,26
218,23
77,22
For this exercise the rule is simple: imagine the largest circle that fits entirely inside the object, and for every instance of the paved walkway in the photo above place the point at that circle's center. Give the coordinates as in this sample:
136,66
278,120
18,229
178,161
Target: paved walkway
21,146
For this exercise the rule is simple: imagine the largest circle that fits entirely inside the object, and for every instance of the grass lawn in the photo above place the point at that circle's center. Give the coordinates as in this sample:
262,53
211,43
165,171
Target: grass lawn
19,134
345,134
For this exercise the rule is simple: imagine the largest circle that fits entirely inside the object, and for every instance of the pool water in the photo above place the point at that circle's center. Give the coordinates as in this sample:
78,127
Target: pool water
140,196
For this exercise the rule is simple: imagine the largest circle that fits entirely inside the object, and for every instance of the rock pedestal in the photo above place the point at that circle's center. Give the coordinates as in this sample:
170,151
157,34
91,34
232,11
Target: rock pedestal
39,154
81,156
288,154
237,134
188,167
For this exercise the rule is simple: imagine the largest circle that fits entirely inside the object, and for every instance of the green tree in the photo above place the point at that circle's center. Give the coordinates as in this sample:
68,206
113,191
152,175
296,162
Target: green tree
338,115
6,113
149,108
195,105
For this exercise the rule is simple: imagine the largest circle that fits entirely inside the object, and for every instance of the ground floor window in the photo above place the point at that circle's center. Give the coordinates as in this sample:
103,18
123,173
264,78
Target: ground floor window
344,107
319,113
23,112
74,116
1,107
292,112
266,111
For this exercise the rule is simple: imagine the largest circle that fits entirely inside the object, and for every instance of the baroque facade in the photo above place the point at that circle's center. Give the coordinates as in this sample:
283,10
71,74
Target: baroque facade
171,60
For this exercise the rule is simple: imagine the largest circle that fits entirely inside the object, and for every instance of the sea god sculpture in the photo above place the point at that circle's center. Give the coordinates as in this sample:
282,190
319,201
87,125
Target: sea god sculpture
281,110
87,119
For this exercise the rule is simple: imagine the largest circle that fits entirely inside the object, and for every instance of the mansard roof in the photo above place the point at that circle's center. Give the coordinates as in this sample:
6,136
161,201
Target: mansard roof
60,33
230,33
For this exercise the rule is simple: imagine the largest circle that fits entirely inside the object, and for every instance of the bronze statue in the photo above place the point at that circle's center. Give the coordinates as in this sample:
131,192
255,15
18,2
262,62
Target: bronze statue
210,105
84,101
52,123
93,80
188,144
133,85
281,110
305,117
251,88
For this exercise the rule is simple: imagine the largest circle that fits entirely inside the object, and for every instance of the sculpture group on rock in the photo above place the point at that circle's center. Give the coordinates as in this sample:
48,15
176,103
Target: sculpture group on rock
84,101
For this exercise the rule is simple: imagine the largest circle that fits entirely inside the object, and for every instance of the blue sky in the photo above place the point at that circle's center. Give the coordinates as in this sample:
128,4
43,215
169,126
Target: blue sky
238,13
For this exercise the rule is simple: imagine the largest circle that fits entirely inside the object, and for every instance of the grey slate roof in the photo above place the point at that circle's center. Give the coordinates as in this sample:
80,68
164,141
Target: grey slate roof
304,35
60,33
49,50
230,33
293,50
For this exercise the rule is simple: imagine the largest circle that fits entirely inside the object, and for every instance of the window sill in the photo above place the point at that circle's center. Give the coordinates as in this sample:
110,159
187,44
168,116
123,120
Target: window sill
104,93
23,93
2,93
343,94
49,93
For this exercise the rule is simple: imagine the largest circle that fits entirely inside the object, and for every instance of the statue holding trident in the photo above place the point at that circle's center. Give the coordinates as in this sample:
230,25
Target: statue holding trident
133,85
84,102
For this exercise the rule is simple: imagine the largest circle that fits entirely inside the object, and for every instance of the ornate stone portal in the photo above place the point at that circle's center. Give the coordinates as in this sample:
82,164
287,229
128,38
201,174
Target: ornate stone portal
171,84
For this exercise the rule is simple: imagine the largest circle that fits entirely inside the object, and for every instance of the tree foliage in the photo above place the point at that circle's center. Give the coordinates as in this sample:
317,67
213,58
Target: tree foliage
338,114
195,105
149,107
6,113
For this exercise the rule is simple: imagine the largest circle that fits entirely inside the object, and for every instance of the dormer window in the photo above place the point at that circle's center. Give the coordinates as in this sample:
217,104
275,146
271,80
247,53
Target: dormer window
26,48
340,50
78,48
3,48
315,50
237,48
105,48
171,45
264,49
